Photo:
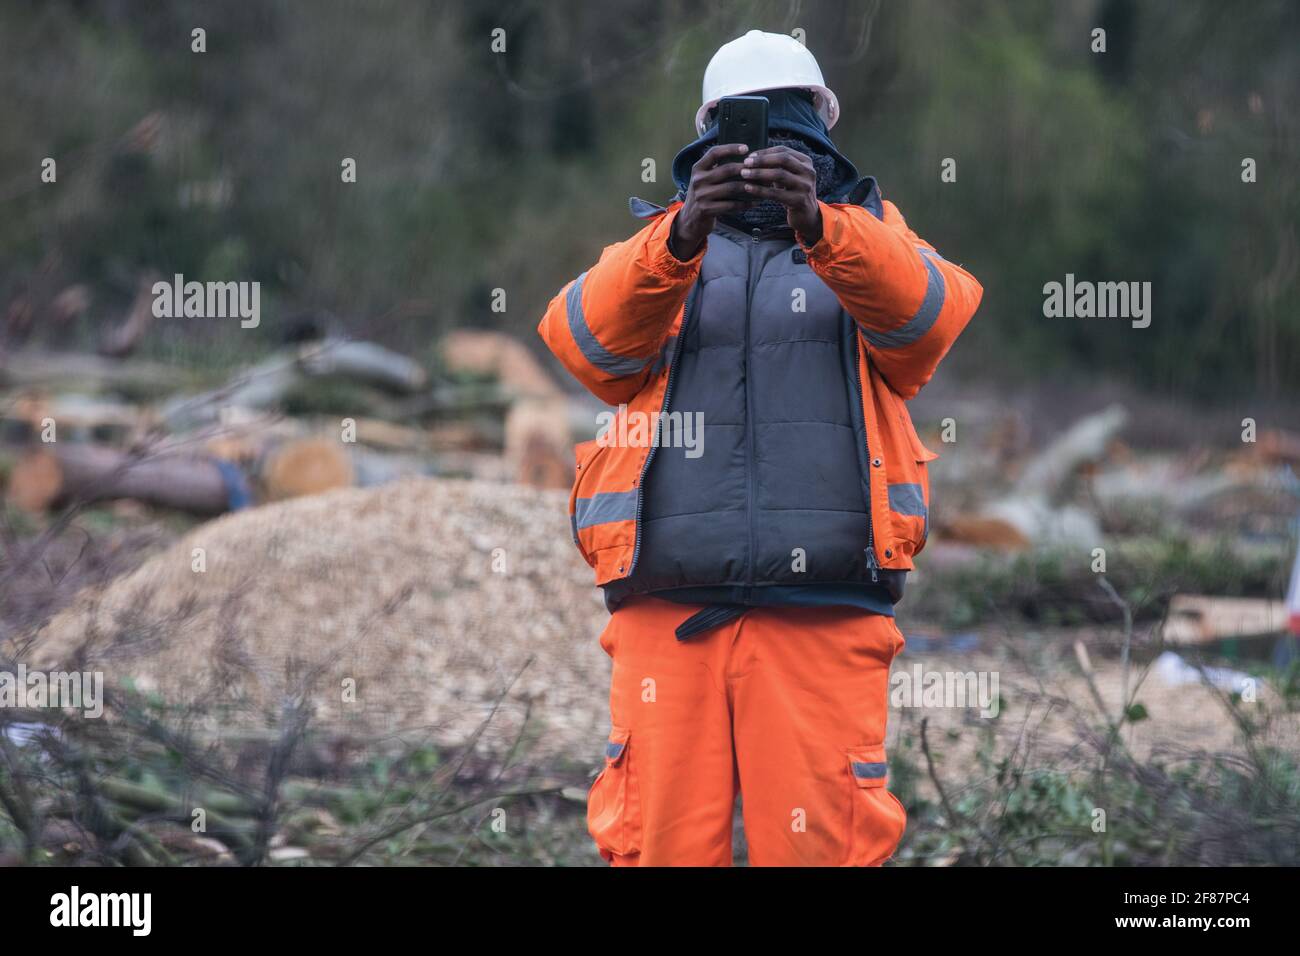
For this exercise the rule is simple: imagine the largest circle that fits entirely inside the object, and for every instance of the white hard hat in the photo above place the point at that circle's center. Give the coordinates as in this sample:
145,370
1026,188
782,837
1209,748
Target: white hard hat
764,61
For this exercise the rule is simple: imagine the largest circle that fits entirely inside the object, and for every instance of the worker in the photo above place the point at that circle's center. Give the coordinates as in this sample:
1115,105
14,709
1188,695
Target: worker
752,576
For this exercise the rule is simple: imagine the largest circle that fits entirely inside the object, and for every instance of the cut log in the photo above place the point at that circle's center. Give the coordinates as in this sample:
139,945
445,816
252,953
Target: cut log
262,386
1085,442
983,531
1172,485
363,362
539,443
76,372
1201,619
34,481
305,466
64,474
76,418
378,433
1035,512
502,357
269,383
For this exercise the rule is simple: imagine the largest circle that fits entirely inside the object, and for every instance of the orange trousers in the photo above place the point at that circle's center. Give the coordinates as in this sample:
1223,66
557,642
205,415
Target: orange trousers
785,706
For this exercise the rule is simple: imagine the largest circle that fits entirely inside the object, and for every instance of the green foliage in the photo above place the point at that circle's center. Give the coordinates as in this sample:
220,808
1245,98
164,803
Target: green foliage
1199,809
1058,588
480,170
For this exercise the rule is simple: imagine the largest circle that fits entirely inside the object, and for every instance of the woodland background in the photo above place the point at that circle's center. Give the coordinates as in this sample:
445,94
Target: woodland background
428,565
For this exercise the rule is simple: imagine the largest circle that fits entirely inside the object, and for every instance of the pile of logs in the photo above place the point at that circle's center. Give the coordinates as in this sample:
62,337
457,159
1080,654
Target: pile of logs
1072,492
327,412
323,414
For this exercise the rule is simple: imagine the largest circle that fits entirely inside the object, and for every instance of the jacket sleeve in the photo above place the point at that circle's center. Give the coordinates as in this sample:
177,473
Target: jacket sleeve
909,302
609,325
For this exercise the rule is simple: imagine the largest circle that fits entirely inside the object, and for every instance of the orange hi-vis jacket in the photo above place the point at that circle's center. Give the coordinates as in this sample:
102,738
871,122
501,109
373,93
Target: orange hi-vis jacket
617,328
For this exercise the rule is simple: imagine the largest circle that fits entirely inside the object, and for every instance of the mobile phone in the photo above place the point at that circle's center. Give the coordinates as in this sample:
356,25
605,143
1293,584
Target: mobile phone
743,119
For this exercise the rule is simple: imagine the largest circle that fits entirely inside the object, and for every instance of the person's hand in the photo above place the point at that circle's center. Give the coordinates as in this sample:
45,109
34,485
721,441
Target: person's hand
715,189
788,176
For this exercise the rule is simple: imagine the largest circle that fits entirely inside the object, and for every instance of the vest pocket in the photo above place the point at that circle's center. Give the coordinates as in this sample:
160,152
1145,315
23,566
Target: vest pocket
614,803
922,456
584,454
909,480
878,818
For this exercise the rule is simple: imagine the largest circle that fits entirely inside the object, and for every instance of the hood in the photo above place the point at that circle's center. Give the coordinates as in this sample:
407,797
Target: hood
789,110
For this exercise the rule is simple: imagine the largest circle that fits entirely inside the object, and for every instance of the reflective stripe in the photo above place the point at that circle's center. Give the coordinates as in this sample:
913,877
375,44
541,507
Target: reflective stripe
870,771
907,499
591,349
613,750
604,507
919,324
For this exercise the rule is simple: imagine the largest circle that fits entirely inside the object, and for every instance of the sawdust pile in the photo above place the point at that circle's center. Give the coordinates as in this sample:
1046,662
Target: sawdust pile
411,610
426,597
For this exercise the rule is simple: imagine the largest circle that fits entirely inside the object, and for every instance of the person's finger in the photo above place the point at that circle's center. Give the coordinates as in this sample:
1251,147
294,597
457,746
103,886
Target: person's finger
779,158
786,197
724,206
724,193
720,154
772,150
771,153
776,177
726,189
724,172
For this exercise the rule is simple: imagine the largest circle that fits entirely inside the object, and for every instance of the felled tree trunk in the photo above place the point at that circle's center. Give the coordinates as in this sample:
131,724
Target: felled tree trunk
63,474
366,363
269,383
1051,472
1035,512
88,373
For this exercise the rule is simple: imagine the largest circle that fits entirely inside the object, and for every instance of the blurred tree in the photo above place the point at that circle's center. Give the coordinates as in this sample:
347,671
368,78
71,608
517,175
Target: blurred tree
479,170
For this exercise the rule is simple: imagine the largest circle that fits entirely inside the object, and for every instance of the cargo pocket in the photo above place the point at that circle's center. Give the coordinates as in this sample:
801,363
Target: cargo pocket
900,641
613,803
922,456
878,817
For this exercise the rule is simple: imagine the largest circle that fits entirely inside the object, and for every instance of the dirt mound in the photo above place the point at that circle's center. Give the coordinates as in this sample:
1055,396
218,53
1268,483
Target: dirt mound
406,608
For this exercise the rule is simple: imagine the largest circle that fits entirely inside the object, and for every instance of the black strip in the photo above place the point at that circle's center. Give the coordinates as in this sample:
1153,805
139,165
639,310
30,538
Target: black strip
715,615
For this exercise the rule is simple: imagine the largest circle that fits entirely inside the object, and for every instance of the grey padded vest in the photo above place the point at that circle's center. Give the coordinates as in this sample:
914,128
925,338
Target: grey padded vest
784,456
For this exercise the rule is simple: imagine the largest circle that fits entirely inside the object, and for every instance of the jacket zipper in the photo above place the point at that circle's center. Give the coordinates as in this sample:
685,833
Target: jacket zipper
755,236
663,410
873,564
